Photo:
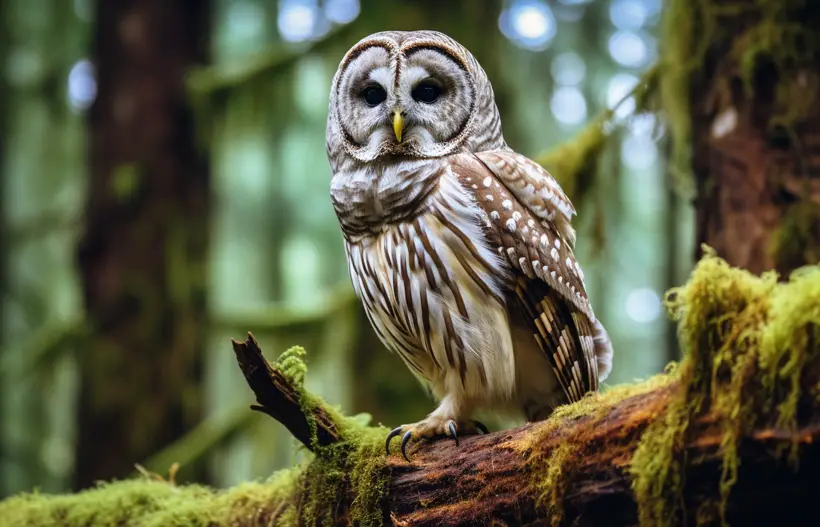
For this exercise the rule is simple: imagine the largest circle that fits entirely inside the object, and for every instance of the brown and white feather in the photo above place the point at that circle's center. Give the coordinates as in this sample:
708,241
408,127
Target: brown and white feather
461,250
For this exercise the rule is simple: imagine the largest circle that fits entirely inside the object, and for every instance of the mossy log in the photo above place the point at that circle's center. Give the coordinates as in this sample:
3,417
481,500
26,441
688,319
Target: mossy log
731,434
487,479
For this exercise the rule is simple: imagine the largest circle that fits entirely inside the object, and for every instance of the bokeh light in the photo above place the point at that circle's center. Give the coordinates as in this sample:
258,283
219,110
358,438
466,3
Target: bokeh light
643,305
528,23
342,11
297,20
628,15
620,85
568,69
82,85
629,49
568,105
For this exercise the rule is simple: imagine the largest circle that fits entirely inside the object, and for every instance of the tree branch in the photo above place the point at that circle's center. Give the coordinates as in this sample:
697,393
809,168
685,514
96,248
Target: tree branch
279,398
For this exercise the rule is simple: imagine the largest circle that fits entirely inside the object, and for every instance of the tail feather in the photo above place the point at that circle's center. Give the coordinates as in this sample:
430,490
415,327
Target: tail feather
603,351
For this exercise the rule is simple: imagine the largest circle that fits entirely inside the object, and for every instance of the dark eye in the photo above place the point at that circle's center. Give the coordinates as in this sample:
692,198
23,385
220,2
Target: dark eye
426,92
374,95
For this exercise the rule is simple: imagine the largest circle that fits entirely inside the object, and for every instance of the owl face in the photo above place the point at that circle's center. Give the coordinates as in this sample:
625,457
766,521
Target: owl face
416,94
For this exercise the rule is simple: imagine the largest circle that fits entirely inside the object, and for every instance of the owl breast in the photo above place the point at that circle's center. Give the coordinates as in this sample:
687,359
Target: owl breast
434,290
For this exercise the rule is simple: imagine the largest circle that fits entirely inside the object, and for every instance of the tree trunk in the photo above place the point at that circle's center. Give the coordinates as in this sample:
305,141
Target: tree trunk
756,132
143,251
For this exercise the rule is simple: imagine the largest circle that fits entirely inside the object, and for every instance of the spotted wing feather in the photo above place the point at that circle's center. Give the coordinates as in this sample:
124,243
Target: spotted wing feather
534,187
547,278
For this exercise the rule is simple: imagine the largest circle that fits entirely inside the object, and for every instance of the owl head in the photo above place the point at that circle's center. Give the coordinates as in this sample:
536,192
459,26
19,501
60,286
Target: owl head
416,94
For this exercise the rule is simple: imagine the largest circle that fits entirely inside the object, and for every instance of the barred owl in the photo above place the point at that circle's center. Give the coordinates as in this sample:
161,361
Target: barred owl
460,249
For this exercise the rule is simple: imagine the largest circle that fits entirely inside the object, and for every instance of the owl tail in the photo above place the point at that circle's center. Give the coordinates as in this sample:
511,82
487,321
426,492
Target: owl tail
603,351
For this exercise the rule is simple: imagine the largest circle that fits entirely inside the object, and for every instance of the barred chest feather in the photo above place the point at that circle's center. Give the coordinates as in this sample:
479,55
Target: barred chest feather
432,287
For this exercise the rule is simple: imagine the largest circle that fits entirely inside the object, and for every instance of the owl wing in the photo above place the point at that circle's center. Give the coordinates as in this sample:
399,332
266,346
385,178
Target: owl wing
534,187
533,235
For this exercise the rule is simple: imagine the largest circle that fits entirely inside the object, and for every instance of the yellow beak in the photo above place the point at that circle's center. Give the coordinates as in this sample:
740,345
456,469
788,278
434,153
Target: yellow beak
398,124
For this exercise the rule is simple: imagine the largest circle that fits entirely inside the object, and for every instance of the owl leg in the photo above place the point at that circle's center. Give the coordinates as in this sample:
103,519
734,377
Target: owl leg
444,421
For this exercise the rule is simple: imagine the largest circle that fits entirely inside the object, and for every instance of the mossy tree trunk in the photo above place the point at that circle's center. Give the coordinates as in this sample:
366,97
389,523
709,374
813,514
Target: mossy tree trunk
756,131
142,254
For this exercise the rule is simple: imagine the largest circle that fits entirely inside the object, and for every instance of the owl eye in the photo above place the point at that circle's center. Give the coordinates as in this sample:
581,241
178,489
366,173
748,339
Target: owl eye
426,92
374,95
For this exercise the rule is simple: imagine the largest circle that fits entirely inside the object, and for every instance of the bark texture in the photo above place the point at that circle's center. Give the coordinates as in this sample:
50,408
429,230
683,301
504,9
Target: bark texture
142,254
756,131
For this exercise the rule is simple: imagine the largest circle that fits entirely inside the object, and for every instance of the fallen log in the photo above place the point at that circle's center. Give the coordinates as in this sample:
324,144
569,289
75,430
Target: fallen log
730,434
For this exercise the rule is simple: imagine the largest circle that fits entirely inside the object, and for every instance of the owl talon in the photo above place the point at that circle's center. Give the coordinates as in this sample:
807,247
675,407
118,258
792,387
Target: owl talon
481,427
404,440
393,433
451,426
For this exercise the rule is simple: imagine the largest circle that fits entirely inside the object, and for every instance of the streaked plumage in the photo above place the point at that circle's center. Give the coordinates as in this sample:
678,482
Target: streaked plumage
460,249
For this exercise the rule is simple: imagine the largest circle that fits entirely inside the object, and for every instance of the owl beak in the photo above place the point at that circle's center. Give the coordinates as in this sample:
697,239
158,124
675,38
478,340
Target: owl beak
398,124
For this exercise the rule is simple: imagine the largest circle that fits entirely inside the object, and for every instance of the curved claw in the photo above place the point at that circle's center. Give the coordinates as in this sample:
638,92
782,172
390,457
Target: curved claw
404,441
393,433
482,427
451,426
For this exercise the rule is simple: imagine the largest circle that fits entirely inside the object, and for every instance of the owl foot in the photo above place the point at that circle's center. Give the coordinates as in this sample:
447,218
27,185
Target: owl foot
433,426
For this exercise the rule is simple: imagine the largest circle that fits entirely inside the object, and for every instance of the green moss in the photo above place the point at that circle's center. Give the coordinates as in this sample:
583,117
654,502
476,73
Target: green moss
146,502
794,240
746,340
685,27
126,181
355,466
548,469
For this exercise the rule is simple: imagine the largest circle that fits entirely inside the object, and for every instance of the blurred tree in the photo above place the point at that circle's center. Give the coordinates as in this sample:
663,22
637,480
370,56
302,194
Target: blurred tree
43,180
142,256
755,125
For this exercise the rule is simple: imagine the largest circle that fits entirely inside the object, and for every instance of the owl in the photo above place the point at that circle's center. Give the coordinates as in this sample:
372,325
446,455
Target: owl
460,249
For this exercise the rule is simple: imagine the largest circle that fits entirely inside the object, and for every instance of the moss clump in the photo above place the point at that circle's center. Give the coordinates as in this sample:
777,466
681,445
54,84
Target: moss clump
147,502
746,340
355,466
